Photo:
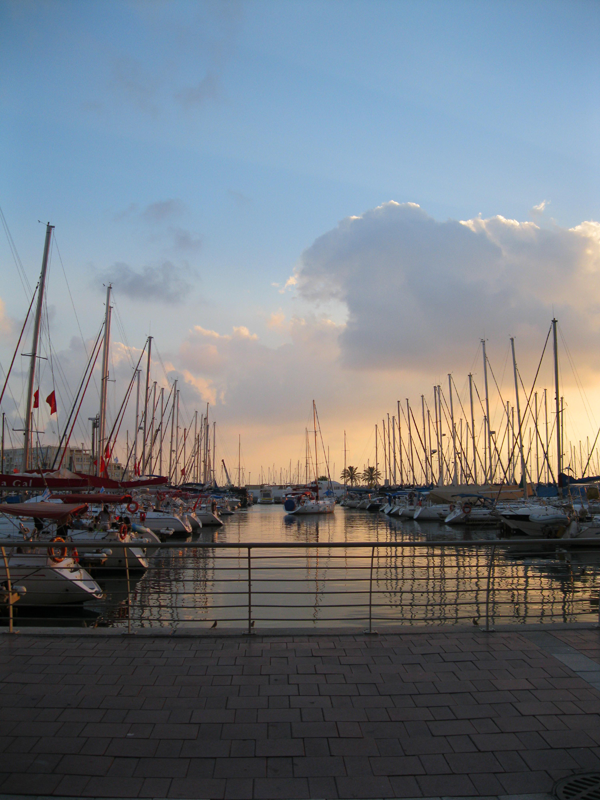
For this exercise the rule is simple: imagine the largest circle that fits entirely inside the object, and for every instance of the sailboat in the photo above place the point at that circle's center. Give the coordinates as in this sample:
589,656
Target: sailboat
308,503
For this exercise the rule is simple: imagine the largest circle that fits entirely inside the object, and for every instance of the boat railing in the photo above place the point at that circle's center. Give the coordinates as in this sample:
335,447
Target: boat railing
370,587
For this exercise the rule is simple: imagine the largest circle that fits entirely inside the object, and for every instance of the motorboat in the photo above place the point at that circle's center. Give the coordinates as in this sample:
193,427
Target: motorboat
432,512
535,520
307,503
48,576
49,571
265,496
133,558
164,523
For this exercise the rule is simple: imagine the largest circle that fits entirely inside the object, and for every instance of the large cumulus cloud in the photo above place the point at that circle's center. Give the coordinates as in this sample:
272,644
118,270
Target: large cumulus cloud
419,293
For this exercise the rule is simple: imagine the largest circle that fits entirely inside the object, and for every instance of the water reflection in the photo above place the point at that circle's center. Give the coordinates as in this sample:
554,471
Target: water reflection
330,586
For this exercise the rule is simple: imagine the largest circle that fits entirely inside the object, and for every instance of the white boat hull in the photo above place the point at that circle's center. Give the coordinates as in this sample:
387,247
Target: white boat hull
48,583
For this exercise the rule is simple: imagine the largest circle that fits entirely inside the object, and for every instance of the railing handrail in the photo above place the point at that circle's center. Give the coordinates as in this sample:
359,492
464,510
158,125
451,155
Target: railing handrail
456,543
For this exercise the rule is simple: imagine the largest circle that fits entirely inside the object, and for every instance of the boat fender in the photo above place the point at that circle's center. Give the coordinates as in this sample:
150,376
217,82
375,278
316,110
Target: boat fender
58,552
289,504
123,532
142,516
132,507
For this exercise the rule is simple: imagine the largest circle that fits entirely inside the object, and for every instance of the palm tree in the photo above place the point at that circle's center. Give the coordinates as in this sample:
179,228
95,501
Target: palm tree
371,476
350,475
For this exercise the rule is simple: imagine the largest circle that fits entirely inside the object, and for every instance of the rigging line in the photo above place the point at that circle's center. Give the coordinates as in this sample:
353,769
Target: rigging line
91,372
157,351
90,367
528,406
122,329
125,400
15,254
586,404
16,405
323,446
461,450
46,325
18,344
55,242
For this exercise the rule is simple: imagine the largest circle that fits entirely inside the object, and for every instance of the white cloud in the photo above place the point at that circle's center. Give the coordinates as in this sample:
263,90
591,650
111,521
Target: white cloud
538,210
161,283
420,293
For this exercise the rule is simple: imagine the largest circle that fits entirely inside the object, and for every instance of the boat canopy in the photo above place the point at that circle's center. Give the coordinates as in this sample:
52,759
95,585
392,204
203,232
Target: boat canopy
52,511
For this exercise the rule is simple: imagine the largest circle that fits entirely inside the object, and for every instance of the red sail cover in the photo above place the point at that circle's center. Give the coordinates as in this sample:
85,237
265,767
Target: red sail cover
107,483
53,511
31,481
100,499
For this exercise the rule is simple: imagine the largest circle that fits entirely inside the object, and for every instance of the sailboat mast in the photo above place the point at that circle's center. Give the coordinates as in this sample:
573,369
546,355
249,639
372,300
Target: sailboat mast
316,452
34,348
162,419
400,447
104,386
410,443
558,417
137,421
487,412
146,398
172,431
376,451
473,429
455,476
523,468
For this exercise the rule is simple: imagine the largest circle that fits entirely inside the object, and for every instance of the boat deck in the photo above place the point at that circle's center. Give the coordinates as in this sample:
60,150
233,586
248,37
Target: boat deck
438,713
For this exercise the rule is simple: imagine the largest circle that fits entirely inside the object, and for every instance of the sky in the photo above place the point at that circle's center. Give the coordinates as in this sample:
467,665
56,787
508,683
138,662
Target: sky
328,200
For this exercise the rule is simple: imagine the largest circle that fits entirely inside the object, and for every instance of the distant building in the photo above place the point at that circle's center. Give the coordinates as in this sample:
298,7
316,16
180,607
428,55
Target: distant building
76,460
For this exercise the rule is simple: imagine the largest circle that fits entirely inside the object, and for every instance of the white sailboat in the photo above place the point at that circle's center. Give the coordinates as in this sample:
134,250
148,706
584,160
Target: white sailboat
308,503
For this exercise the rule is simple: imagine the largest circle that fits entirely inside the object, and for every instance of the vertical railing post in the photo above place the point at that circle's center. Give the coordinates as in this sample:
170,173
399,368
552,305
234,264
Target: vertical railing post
9,590
490,575
370,628
126,554
249,590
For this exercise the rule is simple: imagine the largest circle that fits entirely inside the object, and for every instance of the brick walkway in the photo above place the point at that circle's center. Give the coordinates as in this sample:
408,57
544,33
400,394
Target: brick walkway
404,715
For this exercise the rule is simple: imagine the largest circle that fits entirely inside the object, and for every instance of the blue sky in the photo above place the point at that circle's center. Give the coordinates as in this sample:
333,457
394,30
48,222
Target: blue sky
224,138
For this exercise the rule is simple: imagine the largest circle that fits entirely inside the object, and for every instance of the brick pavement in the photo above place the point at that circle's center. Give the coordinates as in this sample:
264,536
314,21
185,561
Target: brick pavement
453,714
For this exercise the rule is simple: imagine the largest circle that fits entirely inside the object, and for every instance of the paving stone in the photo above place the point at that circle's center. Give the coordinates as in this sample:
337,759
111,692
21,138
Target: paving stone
397,766
280,767
240,768
161,768
281,789
197,788
357,787
113,787
280,747
310,766
446,786
238,789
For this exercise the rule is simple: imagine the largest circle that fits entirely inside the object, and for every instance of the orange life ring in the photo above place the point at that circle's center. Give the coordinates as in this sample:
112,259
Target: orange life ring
58,553
123,532
466,509
451,506
133,507
142,516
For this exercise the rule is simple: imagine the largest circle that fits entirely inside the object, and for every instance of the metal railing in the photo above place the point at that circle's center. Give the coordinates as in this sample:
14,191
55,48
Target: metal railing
354,586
